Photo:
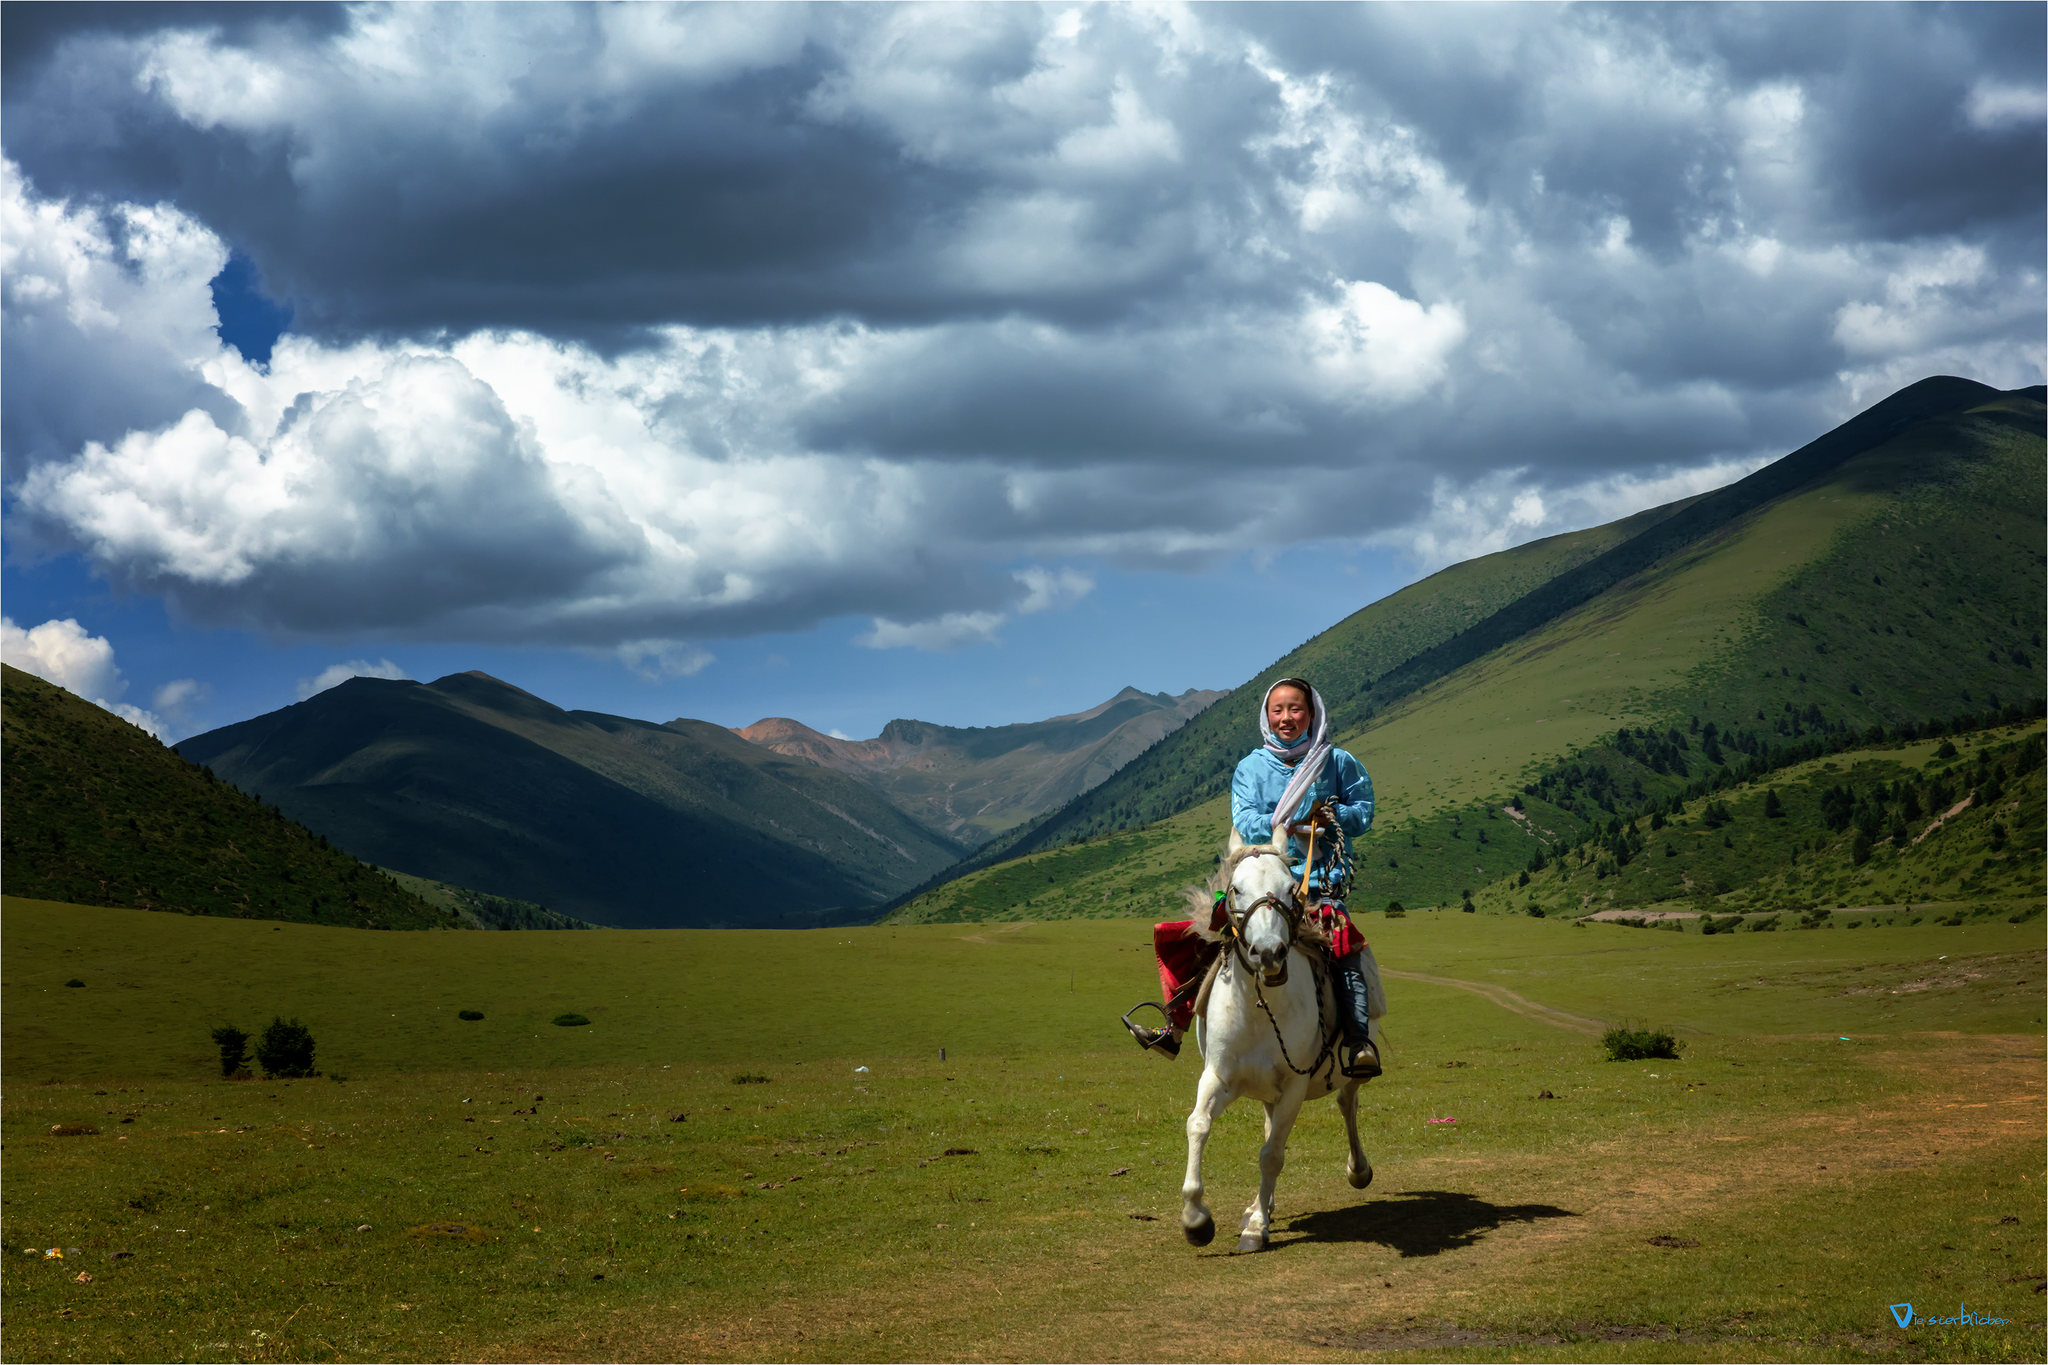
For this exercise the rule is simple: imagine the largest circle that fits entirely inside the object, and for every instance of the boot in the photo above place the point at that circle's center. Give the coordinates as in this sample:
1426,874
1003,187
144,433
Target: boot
1160,1040
1347,978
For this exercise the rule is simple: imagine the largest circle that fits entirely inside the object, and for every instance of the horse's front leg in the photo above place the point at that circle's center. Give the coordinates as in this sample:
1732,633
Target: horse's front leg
1356,1168
1212,1096
1280,1117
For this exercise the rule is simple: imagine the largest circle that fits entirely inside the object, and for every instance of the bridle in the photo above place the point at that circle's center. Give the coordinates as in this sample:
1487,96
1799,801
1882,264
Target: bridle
1291,909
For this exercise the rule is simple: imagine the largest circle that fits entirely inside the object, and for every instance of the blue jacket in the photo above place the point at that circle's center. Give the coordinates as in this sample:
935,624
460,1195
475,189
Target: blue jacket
1261,777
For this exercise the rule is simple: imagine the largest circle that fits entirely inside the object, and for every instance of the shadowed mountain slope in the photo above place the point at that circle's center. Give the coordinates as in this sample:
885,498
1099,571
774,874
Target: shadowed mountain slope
1890,572
99,813
471,781
976,782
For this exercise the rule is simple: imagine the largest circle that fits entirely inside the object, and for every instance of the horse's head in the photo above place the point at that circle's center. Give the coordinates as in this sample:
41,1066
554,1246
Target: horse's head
1262,905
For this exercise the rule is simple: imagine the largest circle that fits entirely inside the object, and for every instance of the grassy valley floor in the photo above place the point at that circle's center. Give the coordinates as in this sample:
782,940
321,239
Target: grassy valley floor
704,1173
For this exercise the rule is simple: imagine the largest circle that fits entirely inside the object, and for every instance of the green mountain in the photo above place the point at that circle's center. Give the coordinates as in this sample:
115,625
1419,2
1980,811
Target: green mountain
1890,571
473,782
977,782
482,911
1939,819
99,813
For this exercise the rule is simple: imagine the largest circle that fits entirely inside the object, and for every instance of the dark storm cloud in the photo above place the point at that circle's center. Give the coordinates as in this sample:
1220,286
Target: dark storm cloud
714,205
32,30
731,196
769,314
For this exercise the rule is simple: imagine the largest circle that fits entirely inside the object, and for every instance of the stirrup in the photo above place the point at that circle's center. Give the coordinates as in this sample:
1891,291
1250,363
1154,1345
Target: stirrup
1160,1040
1364,1063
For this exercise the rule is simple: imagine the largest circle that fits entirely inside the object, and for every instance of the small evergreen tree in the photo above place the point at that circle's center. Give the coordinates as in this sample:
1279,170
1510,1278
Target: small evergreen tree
1774,809
234,1048
286,1049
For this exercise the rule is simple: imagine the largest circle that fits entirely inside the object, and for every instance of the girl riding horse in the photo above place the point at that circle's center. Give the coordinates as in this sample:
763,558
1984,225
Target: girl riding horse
1295,772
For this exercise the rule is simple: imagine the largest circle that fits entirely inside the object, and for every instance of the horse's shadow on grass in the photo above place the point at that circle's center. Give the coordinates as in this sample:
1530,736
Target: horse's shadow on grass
1415,1222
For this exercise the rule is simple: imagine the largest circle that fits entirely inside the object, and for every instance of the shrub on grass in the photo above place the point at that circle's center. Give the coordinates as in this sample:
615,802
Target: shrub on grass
286,1049
570,1021
1627,1043
1533,911
747,1078
469,1014
234,1048
74,981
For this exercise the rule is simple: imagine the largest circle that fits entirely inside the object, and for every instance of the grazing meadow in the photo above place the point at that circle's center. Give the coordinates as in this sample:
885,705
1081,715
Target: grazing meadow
756,1148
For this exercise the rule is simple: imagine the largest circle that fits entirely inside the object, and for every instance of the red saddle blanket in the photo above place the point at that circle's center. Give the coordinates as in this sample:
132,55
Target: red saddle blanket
1183,956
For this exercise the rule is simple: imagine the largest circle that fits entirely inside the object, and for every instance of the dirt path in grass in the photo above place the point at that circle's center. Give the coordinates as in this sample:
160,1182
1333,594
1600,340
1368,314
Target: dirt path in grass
1440,1251
1508,1000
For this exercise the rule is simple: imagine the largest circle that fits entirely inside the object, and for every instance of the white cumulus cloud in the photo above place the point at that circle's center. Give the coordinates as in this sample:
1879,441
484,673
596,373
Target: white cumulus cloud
658,659
789,315
60,651
947,632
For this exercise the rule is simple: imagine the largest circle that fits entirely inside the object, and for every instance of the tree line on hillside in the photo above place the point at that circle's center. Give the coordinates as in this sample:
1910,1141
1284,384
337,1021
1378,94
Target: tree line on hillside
1614,782
1590,787
1948,824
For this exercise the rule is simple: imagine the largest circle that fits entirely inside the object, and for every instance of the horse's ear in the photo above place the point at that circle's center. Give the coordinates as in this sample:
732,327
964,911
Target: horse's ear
1234,843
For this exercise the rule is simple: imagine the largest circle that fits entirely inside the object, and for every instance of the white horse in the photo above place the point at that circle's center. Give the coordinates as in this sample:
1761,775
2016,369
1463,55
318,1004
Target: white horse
1269,1031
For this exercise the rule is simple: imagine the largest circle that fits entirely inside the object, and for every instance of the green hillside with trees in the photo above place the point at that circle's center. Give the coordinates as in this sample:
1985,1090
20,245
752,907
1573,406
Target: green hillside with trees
99,813
1887,575
1948,815
481,910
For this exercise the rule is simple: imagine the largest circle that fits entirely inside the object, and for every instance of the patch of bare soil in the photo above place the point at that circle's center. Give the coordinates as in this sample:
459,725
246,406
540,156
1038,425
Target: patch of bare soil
1951,813
1018,932
1446,1336
1508,1000
1645,916
2012,971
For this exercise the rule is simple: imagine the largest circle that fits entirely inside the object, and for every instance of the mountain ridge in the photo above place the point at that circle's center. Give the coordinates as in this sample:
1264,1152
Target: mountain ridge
471,781
976,781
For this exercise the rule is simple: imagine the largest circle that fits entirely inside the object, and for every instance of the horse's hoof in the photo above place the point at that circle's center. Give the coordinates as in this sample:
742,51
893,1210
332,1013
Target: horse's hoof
1360,1179
1251,1241
1202,1233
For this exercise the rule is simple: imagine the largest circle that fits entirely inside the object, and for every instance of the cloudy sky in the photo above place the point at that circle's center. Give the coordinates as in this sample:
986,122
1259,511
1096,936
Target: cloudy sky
965,363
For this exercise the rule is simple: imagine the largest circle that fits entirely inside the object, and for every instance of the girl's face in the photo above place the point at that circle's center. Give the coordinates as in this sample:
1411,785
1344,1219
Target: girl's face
1289,714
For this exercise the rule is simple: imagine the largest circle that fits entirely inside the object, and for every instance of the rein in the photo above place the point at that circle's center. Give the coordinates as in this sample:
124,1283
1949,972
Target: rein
1292,914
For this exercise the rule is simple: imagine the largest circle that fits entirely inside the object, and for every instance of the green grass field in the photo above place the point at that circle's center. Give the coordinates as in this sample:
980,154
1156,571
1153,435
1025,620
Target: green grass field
1856,1121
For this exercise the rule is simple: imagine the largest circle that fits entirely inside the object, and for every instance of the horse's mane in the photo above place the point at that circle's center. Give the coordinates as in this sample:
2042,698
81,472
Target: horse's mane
1201,900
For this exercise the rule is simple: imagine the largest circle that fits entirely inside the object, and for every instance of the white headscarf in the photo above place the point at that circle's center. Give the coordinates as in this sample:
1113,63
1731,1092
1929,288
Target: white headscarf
1309,754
